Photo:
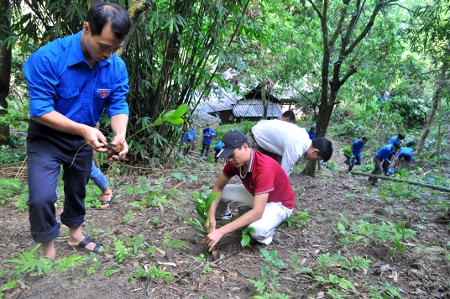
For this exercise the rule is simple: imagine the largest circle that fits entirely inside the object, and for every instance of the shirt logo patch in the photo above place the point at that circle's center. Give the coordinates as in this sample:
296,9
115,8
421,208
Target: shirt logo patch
103,92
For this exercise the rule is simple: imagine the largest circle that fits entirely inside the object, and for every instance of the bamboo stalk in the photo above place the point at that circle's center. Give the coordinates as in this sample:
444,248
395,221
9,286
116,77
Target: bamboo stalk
383,177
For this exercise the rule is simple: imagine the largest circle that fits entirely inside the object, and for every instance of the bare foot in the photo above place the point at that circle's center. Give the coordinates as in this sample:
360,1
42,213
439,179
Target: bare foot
106,196
48,249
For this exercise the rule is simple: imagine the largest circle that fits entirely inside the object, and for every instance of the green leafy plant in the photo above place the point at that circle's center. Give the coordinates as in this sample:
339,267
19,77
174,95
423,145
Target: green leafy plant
152,223
246,235
347,151
121,252
151,273
94,266
9,188
108,272
267,284
203,203
137,243
388,233
129,217
178,176
28,263
70,262
175,243
8,286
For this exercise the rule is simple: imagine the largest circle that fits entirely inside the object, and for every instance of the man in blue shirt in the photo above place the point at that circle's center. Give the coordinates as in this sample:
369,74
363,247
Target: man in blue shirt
383,156
312,132
398,138
357,147
407,154
70,81
189,138
208,135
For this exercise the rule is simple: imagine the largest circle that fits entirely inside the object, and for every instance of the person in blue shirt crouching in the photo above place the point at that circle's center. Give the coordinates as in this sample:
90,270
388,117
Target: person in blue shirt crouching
407,154
357,147
397,138
383,156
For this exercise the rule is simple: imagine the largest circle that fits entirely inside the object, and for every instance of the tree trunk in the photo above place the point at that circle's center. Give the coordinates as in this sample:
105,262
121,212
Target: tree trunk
436,99
264,100
5,64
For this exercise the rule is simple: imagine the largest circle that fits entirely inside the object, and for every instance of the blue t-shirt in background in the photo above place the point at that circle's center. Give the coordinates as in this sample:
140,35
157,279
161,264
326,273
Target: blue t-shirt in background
208,135
190,135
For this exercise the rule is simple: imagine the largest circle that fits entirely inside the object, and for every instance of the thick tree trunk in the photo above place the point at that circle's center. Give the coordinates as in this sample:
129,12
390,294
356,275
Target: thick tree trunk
436,100
264,100
5,64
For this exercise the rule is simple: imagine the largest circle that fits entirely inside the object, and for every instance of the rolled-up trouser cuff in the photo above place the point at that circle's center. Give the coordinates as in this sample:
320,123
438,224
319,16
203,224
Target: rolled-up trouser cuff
72,222
42,237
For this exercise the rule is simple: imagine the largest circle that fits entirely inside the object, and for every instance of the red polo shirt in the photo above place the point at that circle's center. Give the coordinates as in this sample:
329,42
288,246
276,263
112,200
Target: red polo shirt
264,175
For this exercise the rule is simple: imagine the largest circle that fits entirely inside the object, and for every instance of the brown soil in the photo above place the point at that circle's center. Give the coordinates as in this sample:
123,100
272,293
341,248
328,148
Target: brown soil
422,271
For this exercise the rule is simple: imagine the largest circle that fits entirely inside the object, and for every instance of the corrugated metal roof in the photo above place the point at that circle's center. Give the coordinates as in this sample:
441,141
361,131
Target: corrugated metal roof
254,108
219,100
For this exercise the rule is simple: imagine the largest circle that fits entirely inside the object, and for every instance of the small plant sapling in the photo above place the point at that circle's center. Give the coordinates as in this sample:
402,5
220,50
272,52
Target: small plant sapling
202,207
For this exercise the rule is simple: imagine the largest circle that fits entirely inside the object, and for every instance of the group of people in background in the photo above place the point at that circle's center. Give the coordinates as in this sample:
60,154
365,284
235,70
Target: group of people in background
386,159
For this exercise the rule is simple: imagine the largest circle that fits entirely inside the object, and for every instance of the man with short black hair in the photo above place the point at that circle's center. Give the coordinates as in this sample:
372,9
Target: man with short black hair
288,116
286,143
265,192
357,147
70,81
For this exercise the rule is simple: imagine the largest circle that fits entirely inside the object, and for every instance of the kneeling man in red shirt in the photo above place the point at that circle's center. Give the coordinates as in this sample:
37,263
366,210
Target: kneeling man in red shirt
265,192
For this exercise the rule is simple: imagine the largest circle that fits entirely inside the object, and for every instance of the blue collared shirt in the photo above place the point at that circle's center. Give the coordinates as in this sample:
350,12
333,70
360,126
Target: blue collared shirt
60,79
406,152
386,152
208,135
394,140
357,147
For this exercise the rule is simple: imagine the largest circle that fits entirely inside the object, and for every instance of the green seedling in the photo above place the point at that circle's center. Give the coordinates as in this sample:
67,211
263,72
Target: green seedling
151,273
129,217
121,252
246,235
136,243
70,262
108,272
175,243
267,284
202,204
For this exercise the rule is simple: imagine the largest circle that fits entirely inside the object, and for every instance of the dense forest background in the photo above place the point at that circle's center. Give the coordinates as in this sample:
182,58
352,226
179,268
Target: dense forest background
372,68
339,57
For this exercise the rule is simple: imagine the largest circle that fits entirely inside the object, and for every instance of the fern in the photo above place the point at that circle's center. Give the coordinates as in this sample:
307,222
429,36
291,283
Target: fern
28,263
121,252
70,262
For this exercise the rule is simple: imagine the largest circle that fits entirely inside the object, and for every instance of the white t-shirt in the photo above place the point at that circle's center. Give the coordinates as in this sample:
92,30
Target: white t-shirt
284,139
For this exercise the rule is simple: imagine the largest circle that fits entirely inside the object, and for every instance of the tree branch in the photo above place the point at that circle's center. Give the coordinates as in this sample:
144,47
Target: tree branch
376,10
319,14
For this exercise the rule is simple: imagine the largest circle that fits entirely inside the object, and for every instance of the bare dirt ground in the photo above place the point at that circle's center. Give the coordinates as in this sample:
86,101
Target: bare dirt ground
334,201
